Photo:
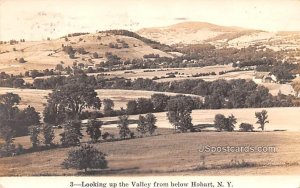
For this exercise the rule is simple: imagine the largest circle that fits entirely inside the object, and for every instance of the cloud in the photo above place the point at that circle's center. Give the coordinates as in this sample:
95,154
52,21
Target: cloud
181,18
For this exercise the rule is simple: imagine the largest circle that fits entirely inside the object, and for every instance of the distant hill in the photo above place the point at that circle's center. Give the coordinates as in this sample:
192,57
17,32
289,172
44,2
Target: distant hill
202,32
48,53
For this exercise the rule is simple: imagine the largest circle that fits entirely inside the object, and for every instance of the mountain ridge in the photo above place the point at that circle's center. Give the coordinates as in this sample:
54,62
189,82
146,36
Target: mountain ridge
221,36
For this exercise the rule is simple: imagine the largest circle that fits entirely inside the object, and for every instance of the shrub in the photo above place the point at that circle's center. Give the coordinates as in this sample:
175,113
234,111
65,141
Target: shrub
84,158
246,127
22,60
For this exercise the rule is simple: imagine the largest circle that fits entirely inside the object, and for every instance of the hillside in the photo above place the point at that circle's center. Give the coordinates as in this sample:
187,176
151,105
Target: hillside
172,154
47,54
201,32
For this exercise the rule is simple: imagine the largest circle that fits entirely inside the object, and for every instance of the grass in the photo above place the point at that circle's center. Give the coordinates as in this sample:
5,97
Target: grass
36,97
173,154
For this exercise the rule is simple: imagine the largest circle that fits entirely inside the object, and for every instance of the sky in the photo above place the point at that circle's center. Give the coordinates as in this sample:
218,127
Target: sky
39,19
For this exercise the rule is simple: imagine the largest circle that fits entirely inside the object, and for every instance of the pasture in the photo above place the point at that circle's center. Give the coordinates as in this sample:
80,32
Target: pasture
173,154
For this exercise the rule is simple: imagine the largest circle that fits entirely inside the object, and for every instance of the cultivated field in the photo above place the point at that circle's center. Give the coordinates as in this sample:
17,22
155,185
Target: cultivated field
174,154
37,98
183,73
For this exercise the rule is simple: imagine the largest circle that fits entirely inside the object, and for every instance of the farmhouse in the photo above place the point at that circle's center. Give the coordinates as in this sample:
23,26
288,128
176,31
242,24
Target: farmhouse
263,77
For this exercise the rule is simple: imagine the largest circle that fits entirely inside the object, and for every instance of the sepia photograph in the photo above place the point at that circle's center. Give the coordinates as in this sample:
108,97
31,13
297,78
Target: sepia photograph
140,88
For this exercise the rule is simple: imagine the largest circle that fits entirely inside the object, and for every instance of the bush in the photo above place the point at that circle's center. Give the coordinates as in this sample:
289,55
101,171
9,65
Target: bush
84,158
246,127
22,60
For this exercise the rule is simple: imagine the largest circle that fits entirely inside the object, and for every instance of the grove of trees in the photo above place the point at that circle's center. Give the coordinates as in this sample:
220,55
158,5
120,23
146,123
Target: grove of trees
179,112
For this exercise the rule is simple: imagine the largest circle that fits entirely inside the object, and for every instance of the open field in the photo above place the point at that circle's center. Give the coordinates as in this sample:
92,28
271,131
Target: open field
174,154
36,97
280,118
33,97
182,72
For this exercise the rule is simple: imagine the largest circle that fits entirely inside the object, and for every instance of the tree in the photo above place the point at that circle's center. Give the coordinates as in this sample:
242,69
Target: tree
142,125
95,55
59,67
150,122
26,118
48,134
72,134
54,113
220,122
93,129
18,82
246,127
223,123
282,72
159,102
84,158
256,98
179,112
34,74
262,119
131,107
124,130
73,97
34,131
108,107
144,105
7,134
9,102
17,120
231,123
30,116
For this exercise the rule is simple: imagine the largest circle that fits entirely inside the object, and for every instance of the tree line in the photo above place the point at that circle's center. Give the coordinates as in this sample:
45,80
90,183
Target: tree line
236,93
